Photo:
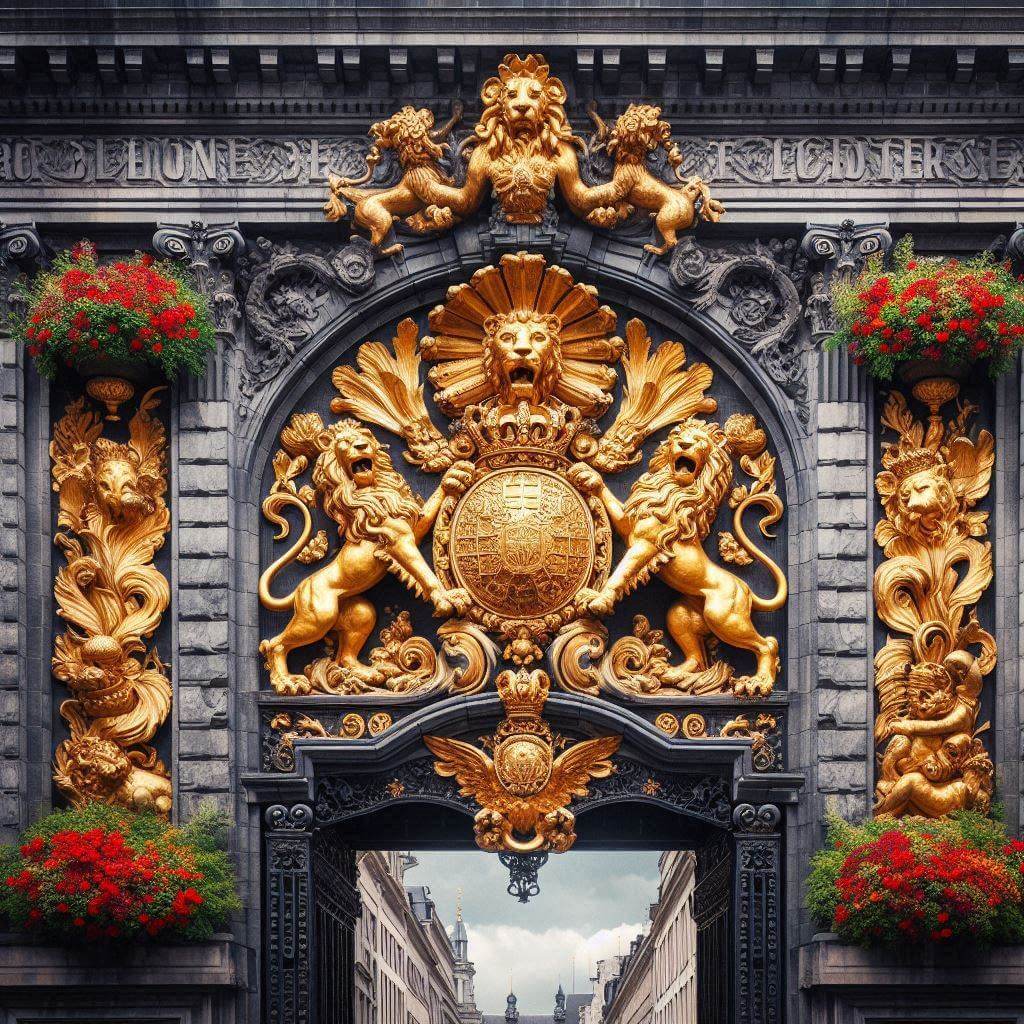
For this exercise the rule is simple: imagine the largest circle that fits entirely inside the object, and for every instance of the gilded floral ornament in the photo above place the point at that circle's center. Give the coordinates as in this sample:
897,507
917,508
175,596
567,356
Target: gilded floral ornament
112,520
521,149
929,675
523,789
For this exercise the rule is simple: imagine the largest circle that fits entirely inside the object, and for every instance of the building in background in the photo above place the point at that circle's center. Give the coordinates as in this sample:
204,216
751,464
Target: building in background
464,971
407,969
568,1009
656,983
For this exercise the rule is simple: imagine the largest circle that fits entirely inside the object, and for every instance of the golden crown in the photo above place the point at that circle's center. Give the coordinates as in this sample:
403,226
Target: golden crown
523,693
524,433
905,462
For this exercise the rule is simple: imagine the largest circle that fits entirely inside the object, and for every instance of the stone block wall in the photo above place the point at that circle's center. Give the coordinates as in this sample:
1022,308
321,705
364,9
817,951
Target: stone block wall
843,689
203,592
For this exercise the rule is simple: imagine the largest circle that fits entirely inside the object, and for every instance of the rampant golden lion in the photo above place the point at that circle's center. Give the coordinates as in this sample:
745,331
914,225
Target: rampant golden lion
382,522
419,198
664,522
637,133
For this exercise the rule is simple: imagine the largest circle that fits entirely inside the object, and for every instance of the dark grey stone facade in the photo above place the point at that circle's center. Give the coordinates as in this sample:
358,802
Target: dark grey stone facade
174,127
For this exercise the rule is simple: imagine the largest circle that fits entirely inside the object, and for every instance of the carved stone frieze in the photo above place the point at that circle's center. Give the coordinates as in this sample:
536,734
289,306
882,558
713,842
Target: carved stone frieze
286,295
184,162
754,292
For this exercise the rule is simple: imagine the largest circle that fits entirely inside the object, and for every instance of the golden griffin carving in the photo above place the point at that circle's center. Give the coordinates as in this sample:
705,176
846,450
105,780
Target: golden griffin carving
112,520
524,360
521,148
523,789
929,675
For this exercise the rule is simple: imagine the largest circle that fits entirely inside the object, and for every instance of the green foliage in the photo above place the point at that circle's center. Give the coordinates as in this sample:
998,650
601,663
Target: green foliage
919,881
81,313
930,308
101,873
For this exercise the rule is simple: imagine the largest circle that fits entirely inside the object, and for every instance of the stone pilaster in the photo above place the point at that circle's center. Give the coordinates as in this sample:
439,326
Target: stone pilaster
20,248
201,529
838,252
843,690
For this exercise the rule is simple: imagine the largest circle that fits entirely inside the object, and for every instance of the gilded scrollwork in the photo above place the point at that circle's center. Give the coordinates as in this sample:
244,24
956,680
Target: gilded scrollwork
521,149
112,520
929,674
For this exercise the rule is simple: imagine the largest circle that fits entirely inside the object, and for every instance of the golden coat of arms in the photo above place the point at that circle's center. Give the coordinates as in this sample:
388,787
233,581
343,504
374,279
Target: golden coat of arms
524,360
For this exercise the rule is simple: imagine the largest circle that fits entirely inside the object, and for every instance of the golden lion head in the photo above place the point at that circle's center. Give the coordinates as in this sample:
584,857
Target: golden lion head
361,489
637,132
917,491
95,767
689,476
522,355
523,104
409,134
120,488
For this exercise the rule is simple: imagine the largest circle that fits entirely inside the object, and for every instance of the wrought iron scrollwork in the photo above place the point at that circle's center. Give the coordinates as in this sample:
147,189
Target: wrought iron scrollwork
523,872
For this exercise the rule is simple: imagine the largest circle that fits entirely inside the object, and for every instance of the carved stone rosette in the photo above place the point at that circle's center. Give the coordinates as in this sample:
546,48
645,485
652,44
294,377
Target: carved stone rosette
929,674
112,520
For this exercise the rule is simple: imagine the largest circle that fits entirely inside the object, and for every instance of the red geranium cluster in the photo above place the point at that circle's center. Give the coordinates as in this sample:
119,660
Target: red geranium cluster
916,882
944,310
80,312
103,884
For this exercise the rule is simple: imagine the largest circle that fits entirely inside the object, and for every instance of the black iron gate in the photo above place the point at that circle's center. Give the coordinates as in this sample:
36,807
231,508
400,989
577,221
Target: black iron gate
336,907
711,904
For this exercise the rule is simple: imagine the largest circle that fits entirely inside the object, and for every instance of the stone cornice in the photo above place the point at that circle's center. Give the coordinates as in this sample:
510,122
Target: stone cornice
411,23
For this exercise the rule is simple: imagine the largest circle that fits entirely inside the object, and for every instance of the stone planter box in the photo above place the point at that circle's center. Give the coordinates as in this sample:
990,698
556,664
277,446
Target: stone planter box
198,983
843,984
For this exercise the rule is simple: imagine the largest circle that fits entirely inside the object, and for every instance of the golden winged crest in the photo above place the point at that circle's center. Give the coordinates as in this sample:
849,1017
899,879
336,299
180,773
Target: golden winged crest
523,790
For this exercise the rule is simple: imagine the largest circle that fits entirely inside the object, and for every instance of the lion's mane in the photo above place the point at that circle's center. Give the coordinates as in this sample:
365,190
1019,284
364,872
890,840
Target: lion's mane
492,130
637,132
408,133
686,513
363,512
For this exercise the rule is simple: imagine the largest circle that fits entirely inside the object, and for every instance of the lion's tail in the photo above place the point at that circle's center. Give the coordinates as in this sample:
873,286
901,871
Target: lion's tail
272,509
772,504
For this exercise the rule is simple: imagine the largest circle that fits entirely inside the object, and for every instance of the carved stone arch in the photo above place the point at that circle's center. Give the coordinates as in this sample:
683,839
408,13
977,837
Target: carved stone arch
644,291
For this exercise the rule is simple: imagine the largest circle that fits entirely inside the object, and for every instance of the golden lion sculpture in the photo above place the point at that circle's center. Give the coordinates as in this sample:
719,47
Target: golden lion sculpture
382,522
665,521
638,132
420,199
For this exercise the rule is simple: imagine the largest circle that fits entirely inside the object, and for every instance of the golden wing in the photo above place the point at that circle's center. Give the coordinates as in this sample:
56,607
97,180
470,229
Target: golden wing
472,769
574,769
147,437
658,392
386,390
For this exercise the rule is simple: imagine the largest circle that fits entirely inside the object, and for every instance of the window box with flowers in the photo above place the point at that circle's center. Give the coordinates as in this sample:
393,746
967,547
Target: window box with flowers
930,316
920,883
101,874
119,321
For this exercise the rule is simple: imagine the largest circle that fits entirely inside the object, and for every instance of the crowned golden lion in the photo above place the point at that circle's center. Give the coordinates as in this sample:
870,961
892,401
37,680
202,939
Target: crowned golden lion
665,521
382,523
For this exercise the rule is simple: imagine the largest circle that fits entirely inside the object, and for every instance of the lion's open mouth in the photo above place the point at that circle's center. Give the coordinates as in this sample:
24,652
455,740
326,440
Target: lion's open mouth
685,464
362,467
523,375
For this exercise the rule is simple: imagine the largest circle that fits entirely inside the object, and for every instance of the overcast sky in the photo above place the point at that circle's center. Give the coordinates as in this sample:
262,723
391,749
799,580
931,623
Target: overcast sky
591,905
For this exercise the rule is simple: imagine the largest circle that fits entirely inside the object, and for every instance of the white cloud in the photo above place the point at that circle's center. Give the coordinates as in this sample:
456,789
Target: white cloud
538,961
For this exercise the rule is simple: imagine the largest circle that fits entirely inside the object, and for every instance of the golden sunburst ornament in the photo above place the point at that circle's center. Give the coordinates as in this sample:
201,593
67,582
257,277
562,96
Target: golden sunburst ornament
522,331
